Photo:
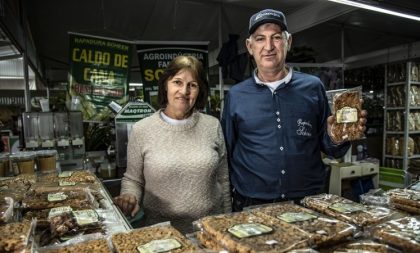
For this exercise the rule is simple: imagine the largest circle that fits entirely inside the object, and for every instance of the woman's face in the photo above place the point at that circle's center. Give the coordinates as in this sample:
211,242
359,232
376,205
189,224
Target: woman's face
182,90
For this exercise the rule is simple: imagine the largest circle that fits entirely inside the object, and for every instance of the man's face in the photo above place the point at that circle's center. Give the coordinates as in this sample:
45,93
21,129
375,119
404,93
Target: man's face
268,45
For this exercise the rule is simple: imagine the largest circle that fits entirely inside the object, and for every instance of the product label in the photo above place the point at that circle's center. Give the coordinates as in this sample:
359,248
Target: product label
58,196
62,182
346,115
296,217
249,229
59,210
85,217
157,246
65,174
347,207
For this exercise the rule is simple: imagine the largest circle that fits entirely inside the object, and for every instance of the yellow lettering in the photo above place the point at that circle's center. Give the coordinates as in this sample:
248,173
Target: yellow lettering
148,75
74,55
121,60
158,72
89,56
99,76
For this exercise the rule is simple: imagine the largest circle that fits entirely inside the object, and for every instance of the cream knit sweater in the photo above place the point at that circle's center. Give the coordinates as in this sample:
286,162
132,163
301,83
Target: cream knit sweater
179,173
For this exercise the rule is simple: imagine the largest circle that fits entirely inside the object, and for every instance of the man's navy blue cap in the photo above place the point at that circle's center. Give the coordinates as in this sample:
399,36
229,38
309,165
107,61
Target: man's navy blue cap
267,16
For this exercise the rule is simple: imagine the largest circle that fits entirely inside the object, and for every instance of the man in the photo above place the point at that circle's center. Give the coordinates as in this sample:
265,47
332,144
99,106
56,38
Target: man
275,123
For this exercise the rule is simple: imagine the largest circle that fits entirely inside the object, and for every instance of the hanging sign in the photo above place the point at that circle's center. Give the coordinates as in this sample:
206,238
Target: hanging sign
99,74
155,56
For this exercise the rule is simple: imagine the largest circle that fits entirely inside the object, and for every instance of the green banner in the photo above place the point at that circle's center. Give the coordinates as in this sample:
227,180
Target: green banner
99,74
154,57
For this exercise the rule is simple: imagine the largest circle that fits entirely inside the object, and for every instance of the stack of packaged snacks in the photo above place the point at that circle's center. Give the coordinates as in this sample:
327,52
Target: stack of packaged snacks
322,230
99,245
65,224
405,199
359,246
6,209
247,232
347,210
15,236
402,233
49,199
158,238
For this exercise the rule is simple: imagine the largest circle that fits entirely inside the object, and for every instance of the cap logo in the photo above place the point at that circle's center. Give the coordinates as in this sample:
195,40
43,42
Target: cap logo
260,15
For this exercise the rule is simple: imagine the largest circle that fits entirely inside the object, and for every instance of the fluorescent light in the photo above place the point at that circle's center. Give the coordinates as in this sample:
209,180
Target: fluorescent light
12,77
135,84
374,8
371,91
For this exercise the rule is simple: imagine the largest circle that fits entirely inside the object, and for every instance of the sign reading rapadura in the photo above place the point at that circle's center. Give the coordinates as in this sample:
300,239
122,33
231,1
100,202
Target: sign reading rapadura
155,56
99,73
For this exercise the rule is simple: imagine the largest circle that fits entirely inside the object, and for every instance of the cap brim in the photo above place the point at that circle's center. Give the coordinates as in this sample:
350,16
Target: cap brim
267,20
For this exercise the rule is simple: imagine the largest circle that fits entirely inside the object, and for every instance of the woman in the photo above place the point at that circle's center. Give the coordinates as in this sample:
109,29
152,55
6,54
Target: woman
176,158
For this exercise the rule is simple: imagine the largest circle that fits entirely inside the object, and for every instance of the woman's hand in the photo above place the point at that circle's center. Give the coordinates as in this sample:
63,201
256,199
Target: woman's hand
128,204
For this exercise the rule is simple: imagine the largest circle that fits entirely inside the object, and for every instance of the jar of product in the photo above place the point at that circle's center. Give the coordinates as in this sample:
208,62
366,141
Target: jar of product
4,164
108,170
46,160
23,162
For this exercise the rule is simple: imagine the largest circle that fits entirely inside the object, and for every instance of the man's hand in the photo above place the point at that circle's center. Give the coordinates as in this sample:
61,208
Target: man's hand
128,204
361,123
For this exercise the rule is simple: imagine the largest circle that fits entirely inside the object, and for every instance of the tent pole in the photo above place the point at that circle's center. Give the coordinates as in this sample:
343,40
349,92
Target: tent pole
222,95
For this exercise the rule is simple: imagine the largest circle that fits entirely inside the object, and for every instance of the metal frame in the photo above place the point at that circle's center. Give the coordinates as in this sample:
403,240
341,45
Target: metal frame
406,132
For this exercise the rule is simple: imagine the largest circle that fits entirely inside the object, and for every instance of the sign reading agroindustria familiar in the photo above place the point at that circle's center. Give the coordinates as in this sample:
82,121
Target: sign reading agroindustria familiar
154,57
99,73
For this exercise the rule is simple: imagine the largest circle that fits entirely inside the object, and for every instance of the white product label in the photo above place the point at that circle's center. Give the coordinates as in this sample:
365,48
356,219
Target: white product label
346,115
249,229
59,210
157,246
65,174
85,217
66,183
58,196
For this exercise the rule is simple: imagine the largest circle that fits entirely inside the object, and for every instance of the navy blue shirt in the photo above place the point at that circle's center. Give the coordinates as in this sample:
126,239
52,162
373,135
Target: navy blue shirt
274,140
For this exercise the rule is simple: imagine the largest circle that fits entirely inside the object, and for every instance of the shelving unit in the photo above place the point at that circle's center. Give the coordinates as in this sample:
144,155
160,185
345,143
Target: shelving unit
401,116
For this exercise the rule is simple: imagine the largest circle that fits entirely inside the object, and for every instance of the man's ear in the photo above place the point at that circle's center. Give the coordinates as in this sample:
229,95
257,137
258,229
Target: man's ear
248,45
289,42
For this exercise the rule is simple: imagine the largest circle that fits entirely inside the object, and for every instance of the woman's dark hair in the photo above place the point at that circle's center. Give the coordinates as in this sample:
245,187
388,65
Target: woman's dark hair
184,63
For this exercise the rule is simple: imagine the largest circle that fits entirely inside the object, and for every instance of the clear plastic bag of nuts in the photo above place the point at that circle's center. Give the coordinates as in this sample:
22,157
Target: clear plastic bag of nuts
347,108
88,243
402,233
248,232
323,230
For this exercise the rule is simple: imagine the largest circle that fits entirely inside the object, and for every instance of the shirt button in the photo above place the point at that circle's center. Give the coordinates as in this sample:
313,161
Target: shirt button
282,196
275,93
278,120
281,148
279,126
277,113
283,172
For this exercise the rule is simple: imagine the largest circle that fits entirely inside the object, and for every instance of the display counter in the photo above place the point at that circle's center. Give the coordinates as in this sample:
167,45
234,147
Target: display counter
56,209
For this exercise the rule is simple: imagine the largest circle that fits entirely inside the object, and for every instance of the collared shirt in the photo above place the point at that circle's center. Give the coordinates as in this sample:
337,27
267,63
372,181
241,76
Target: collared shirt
273,85
274,139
